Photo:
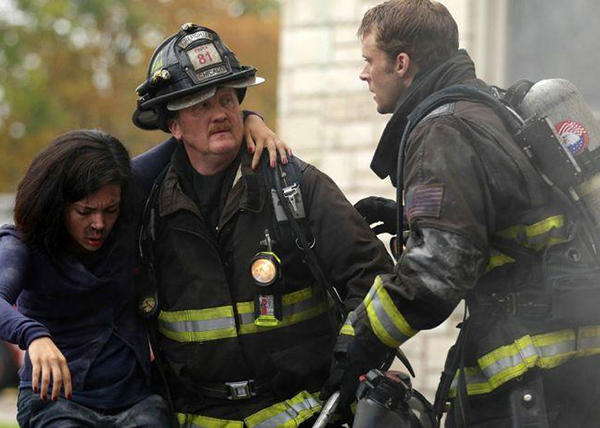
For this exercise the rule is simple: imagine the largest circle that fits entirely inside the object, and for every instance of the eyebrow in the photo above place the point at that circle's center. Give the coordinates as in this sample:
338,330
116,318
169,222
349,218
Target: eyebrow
84,206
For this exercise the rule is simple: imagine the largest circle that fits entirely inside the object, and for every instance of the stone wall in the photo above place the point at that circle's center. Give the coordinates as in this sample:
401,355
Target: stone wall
7,201
328,116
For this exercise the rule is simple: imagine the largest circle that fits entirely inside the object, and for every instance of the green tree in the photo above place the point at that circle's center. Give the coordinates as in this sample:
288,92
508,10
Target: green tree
76,63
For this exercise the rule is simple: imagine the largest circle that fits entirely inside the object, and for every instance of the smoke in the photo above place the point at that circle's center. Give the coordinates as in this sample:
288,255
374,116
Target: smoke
555,38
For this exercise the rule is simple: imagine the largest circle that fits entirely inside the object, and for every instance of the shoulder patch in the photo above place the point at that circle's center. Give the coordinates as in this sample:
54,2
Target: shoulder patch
445,110
424,201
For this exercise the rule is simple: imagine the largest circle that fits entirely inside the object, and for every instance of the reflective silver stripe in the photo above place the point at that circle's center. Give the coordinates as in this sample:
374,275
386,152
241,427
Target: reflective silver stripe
526,353
510,361
288,310
588,343
543,351
246,318
197,326
386,322
289,414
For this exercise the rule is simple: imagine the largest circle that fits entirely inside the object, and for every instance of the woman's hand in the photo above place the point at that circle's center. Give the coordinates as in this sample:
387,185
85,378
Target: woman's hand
48,362
259,136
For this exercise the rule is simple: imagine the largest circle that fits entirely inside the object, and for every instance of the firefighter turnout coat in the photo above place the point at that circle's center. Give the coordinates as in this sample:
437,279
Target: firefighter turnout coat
206,331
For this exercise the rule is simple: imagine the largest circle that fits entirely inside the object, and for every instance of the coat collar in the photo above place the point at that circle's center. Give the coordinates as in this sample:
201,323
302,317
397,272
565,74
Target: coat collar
248,191
459,68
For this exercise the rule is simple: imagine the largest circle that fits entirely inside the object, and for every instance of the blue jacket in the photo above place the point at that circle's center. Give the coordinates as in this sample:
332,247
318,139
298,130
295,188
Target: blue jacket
78,308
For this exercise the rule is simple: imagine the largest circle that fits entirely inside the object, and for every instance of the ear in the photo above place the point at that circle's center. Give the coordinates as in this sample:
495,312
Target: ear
174,128
403,64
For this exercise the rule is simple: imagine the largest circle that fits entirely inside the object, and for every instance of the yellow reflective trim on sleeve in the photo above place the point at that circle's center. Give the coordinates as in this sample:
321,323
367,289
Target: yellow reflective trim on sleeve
386,321
198,421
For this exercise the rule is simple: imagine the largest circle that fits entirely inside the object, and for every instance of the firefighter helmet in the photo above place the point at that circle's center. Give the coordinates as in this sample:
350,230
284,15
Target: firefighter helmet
186,69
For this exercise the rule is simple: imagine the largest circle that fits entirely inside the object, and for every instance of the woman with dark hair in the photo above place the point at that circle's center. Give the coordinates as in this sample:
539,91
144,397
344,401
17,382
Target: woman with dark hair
69,267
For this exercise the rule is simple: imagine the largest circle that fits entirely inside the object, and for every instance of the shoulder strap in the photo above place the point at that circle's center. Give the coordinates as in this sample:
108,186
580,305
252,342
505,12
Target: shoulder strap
284,182
516,93
146,281
290,175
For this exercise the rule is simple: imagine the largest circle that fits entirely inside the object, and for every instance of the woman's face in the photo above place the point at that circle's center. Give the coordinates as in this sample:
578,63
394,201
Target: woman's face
90,220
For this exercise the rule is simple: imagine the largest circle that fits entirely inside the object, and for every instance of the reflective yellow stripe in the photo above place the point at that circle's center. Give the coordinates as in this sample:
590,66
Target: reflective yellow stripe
348,328
498,259
289,413
197,325
539,235
298,306
198,421
544,351
219,323
386,321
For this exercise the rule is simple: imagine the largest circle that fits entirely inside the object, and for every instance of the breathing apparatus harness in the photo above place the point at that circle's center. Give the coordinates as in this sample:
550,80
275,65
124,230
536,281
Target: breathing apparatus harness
537,150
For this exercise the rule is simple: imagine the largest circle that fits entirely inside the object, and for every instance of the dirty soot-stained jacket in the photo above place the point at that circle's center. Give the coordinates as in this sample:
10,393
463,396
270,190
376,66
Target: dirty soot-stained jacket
204,280
462,191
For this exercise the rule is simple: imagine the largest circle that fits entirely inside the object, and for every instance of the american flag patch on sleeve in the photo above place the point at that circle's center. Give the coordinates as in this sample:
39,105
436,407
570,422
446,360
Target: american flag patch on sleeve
424,200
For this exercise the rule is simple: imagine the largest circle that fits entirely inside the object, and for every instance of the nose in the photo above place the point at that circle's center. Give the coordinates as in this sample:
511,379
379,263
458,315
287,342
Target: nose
97,222
364,74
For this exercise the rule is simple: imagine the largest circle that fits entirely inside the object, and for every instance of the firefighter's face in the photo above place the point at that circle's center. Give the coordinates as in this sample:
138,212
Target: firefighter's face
211,130
386,78
90,220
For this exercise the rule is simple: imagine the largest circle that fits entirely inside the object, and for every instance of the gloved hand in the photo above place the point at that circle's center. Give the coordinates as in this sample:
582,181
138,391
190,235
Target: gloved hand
376,209
343,377
351,360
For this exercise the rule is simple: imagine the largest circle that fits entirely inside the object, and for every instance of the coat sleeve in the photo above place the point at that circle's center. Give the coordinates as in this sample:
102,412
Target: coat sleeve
15,327
447,251
349,252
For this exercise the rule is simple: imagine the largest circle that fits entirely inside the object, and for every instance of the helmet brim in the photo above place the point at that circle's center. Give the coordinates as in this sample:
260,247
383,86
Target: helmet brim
198,97
149,118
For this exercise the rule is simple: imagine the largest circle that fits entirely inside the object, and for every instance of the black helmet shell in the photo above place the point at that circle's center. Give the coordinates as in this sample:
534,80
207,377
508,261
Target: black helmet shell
190,61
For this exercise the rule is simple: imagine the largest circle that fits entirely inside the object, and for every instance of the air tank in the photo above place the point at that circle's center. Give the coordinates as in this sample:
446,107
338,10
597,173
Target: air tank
579,131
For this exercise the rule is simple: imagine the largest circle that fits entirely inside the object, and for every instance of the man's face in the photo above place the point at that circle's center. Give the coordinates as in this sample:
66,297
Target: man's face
381,75
211,130
90,220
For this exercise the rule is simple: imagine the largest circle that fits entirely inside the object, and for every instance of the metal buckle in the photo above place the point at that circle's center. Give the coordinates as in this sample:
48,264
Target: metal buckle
290,193
241,390
508,302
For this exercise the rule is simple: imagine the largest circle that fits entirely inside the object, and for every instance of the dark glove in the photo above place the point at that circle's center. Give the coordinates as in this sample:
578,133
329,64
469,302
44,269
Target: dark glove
343,377
376,209
352,358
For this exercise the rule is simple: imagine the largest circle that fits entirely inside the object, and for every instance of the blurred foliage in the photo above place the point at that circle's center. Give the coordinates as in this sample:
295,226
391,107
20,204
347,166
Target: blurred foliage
70,64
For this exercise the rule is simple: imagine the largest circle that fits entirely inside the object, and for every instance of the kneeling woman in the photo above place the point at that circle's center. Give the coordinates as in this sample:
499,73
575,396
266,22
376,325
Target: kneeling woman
69,267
